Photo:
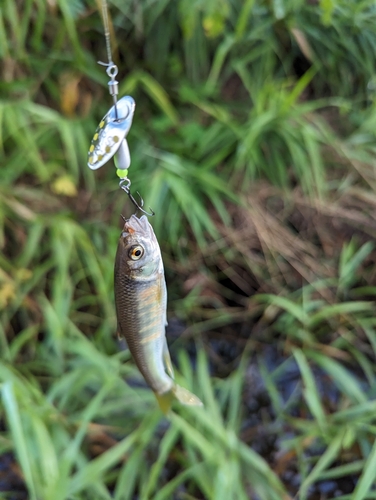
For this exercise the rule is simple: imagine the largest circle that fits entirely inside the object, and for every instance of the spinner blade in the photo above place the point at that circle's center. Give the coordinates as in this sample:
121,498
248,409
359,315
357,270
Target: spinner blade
111,133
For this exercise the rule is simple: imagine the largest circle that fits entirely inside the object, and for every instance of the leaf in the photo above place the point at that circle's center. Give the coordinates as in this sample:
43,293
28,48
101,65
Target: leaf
326,459
342,377
94,469
367,478
21,444
286,304
155,91
311,393
346,308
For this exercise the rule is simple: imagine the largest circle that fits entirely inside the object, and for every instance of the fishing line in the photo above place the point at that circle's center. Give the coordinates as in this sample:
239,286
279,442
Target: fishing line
109,140
106,30
112,69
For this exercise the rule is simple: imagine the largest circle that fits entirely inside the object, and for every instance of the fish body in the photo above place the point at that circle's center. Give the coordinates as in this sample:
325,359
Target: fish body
141,300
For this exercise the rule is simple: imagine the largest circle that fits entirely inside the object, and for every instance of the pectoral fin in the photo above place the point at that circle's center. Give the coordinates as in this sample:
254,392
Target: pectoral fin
122,342
118,332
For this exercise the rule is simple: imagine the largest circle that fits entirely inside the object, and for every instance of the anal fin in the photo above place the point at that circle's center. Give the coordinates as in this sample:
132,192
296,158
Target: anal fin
122,342
167,360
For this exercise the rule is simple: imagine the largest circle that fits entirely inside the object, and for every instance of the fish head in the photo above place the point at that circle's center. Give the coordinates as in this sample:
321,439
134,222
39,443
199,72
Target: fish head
139,248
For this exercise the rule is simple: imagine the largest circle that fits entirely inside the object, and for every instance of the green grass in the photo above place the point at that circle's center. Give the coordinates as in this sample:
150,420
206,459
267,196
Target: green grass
253,141
48,428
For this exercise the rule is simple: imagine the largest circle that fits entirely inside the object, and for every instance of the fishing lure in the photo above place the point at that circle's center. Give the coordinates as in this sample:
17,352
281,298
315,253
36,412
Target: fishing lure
109,137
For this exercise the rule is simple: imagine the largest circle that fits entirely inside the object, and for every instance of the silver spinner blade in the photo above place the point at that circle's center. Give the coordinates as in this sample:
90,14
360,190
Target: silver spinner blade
111,133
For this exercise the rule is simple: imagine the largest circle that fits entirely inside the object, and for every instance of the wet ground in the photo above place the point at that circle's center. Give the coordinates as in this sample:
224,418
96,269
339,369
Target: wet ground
11,483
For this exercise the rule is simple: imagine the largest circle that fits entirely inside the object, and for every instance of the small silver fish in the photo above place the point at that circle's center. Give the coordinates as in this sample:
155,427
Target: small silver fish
141,300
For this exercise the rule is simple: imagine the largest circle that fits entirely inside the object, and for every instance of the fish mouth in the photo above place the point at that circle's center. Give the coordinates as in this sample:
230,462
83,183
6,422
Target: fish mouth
139,226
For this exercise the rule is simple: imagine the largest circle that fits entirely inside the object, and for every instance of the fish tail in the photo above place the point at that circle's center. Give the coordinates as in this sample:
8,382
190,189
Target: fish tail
165,401
184,397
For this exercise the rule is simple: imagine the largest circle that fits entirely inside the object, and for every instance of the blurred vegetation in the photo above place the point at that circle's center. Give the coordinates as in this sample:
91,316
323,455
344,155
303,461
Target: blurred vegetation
254,142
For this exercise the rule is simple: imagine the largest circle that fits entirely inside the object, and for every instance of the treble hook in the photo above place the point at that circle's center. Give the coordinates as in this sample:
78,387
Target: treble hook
133,200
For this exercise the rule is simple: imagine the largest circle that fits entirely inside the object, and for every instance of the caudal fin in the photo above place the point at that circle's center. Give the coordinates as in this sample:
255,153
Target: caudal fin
185,397
182,395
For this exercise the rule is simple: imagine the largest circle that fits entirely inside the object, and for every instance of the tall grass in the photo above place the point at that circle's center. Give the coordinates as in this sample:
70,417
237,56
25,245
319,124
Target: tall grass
227,93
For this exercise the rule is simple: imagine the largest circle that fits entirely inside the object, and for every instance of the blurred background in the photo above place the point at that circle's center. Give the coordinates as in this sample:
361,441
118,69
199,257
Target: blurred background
254,142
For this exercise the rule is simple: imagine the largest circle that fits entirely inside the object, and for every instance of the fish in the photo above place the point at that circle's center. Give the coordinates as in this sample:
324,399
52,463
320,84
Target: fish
141,304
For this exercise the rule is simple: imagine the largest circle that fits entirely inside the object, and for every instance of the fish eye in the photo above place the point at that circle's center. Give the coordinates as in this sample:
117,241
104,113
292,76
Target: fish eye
136,252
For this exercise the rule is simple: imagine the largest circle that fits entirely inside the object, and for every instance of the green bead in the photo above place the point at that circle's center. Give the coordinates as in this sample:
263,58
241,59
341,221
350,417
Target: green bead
122,173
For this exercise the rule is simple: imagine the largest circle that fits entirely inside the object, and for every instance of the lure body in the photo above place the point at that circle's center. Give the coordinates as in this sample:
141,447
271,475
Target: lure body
109,137
141,299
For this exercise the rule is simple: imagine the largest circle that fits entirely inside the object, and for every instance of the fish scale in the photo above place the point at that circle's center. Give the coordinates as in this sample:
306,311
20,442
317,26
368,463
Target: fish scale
137,322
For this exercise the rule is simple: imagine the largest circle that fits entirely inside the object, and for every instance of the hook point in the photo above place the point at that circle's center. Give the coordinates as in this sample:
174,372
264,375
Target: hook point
133,200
